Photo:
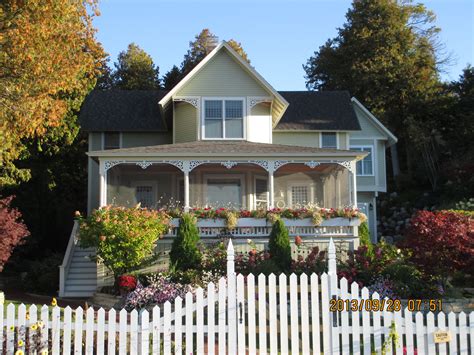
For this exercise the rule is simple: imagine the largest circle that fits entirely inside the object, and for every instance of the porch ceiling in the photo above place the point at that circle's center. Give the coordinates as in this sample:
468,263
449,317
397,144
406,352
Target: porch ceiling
232,149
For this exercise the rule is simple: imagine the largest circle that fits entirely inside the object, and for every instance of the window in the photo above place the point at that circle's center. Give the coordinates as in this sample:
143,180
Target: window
261,193
145,195
299,195
328,140
224,193
366,165
223,119
111,140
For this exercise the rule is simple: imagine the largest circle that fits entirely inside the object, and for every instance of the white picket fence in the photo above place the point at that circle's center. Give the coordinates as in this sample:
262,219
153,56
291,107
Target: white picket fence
239,315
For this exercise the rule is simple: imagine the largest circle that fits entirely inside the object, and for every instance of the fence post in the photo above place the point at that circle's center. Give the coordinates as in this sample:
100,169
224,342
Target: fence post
333,292
231,301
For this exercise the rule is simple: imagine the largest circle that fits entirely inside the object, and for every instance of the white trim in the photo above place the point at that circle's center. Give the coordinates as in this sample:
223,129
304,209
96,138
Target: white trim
223,99
241,177
241,61
372,152
391,137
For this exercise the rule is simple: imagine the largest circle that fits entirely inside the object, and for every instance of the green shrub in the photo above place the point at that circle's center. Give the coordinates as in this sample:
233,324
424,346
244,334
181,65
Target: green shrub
125,238
185,254
43,275
364,237
279,245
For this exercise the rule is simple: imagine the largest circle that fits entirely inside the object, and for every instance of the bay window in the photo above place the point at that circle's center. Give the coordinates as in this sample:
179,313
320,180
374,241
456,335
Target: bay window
366,165
223,119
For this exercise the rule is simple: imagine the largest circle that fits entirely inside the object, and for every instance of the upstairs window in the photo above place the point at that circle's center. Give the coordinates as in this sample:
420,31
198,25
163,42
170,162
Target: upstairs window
329,140
223,119
111,140
366,165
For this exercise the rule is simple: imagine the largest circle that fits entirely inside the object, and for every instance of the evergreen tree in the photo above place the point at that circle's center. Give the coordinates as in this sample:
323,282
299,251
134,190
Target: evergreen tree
135,70
185,254
172,77
279,245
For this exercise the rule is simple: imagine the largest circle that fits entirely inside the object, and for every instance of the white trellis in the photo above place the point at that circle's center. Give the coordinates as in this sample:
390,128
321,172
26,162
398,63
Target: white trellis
254,314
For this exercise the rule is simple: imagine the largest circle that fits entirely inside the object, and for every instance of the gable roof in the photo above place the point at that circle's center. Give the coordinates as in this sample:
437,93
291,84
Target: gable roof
318,110
280,103
122,110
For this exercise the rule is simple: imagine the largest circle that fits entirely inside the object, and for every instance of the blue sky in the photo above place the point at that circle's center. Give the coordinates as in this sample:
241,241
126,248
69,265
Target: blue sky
279,36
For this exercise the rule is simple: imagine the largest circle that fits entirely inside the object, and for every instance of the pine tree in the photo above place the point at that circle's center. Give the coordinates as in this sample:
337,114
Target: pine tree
279,245
185,254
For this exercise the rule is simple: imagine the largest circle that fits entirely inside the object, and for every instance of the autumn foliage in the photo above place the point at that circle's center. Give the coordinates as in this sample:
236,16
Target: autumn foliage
441,242
12,230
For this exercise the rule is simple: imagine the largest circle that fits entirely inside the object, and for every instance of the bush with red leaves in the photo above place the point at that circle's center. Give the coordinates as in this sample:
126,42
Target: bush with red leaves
127,282
12,230
441,242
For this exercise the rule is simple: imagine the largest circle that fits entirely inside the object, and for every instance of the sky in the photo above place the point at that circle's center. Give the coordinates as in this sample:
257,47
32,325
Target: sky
278,35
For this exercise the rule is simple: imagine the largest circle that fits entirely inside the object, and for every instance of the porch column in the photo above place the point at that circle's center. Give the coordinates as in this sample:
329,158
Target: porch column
102,184
353,172
186,190
271,188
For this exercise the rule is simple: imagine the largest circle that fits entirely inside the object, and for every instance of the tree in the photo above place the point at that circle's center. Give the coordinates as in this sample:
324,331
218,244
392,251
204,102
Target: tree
185,254
172,77
279,245
49,62
12,230
135,70
386,55
237,46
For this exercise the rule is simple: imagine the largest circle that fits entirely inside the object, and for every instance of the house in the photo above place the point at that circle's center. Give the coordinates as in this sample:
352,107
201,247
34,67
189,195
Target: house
224,137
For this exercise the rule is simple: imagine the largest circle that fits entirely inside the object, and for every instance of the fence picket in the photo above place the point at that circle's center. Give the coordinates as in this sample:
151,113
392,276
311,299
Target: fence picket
222,310
10,345
66,329
471,330
100,331
325,313
355,320
21,332
442,326
178,321
252,328
304,314
55,329
399,327
189,323
430,328
295,346
420,333
387,323
167,329
365,323
316,339
145,332
345,330
156,345
409,332
45,328
283,301
241,315
199,321
262,314
463,349
211,321
272,314
377,325
122,332
78,319
89,331
453,344
134,332
2,307
111,331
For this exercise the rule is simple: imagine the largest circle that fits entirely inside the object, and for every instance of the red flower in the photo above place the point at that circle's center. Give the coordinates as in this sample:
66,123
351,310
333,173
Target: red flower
127,282
298,240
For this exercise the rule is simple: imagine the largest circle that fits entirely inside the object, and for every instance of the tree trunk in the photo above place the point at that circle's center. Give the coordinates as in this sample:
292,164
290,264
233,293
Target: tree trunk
395,162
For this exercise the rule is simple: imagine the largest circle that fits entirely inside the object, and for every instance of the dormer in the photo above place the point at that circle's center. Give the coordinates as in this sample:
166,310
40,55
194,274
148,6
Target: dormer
223,98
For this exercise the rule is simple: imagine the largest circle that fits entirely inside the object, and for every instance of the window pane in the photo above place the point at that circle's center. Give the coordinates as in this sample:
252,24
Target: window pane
299,196
213,109
329,140
367,167
111,140
224,193
213,128
233,109
234,128
145,196
359,168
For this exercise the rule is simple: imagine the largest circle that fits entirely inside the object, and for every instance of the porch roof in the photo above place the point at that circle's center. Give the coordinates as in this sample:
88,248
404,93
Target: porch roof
226,149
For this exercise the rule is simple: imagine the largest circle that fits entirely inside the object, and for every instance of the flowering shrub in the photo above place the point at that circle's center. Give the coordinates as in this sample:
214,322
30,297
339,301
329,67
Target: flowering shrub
125,238
255,262
315,262
441,242
384,287
127,282
215,258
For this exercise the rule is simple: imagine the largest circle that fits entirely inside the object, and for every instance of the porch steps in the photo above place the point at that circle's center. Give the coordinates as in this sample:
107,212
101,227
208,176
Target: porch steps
81,278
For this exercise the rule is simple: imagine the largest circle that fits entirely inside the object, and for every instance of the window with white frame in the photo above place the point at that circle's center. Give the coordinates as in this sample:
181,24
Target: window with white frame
329,140
224,119
366,165
261,193
299,195
145,193
111,140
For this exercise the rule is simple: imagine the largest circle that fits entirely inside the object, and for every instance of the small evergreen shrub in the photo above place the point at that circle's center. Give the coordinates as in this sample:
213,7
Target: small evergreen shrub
364,237
185,254
279,245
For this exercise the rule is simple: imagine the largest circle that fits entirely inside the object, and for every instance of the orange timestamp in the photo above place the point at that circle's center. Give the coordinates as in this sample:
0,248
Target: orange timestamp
389,305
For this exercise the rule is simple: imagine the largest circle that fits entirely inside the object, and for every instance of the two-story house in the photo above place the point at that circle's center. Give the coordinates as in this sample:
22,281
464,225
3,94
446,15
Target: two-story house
224,137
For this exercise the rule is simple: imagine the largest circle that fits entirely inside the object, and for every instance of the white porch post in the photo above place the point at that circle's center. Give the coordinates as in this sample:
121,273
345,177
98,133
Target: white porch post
271,188
354,183
102,184
186,190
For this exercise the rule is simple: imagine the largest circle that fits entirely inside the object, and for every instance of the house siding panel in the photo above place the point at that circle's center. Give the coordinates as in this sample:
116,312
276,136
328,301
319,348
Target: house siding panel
308,139
185,123
368,129
95,143
259,124
223,76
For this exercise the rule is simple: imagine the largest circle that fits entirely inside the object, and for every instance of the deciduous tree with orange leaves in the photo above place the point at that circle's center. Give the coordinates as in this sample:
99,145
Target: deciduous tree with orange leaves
49,61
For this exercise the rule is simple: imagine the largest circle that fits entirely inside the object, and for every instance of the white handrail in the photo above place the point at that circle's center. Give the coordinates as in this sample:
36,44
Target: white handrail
64,267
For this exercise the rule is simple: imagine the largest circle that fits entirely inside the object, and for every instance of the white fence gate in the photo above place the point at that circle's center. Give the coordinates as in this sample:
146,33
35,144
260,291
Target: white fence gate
241,315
